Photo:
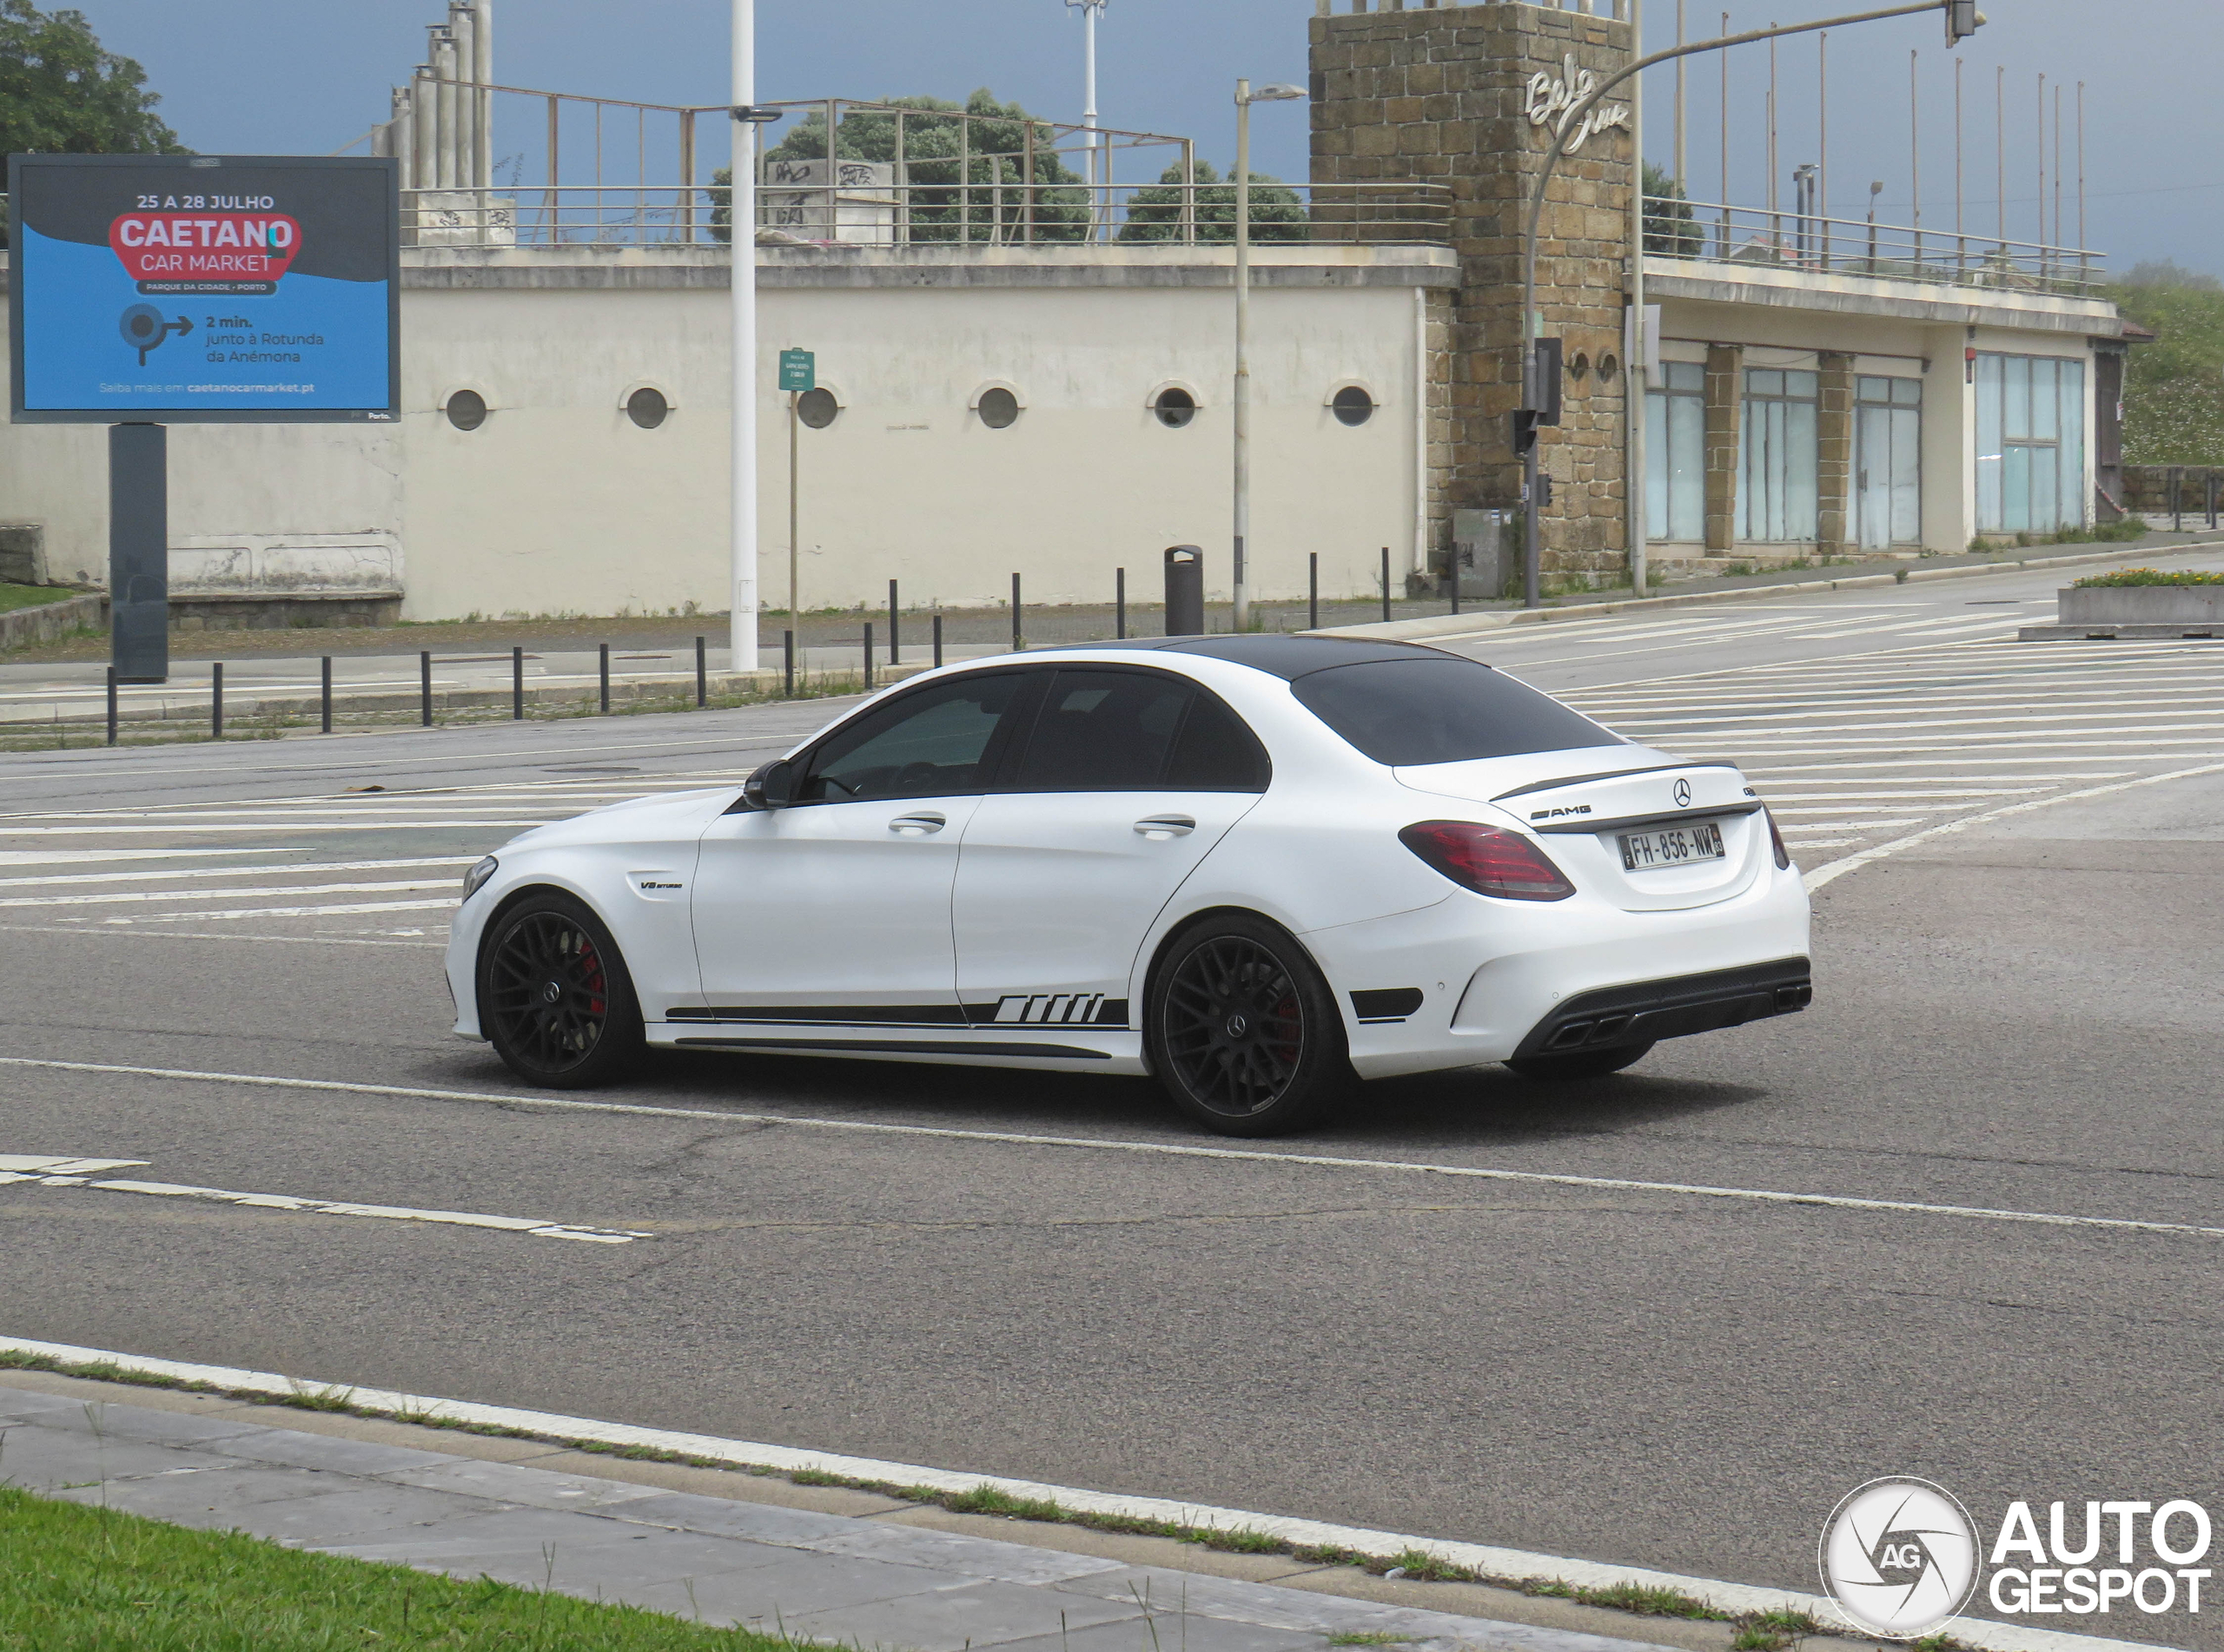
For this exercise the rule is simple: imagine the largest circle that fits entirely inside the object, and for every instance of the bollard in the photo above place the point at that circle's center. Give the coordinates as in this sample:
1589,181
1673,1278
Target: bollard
603,670
937,641
517,684
2177,502
2212,498
111,705
1386,585
325,707
425,688
217,702
1185,591
1018,639
702,674
868,656
1313,592
1120,602
787,662
892,656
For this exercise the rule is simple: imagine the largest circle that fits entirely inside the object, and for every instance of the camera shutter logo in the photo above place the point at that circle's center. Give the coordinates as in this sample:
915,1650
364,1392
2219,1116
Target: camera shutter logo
1899,1557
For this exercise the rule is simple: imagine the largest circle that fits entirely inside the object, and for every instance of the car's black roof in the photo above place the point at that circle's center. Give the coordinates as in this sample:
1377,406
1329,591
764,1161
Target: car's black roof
1278,654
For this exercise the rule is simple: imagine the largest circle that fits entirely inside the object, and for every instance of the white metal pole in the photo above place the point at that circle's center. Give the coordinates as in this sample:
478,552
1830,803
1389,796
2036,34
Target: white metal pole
1100,207
1634,378
465,28
484,147
742,230
1242,350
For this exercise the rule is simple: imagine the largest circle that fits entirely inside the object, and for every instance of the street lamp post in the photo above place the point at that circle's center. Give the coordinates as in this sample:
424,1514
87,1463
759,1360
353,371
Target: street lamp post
741,224
1962,17
1099,209
1245,97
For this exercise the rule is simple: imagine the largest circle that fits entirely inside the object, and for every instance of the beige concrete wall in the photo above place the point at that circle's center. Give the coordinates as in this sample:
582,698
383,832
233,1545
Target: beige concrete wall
559,504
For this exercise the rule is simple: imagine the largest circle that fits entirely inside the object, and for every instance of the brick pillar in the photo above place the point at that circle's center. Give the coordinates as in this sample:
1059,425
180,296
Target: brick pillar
1725,413
1441,94
1834,525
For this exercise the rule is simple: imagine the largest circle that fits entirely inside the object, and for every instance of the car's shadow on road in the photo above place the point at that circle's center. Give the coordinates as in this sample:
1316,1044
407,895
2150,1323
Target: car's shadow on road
1470,1107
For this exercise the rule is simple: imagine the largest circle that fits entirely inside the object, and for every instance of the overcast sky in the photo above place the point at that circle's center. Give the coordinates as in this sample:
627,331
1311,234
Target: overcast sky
308,76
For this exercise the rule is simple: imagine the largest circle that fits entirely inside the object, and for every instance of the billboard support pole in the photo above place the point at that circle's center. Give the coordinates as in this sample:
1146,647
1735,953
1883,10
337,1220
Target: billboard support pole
139,552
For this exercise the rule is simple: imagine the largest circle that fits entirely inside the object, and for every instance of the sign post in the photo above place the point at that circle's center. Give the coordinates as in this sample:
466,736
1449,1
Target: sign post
798,374
153,290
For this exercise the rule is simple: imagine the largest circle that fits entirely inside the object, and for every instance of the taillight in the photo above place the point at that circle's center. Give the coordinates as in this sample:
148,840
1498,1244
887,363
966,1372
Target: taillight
1776,842
1487,859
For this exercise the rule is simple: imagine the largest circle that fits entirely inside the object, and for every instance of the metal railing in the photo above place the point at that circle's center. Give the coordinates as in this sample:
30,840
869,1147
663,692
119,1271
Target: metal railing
1712,233
858,206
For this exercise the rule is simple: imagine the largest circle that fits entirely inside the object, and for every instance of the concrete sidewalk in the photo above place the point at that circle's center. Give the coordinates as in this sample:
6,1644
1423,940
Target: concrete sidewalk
730,1559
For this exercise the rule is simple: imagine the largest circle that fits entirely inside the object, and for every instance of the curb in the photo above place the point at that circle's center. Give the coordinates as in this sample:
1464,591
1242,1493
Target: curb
243,706
1492,1563
43,622
1487,620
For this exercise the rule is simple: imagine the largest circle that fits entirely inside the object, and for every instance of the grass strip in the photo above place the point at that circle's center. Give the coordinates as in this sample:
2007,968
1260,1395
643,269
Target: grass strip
84,1578
1758,1631
14,597
2150,577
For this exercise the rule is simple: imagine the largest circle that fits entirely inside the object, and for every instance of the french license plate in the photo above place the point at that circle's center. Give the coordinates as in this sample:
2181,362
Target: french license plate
1676,846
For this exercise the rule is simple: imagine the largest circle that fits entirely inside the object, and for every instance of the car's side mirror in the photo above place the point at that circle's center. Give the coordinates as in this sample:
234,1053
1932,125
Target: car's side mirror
772,786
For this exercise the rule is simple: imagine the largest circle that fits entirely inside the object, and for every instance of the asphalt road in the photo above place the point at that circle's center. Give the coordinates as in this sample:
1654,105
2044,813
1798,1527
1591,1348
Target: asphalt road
2018,1017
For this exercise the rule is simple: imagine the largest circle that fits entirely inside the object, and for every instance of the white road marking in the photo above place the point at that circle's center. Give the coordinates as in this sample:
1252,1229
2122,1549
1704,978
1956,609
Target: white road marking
448,901
265,870
224,895
77,1173
1506,1564
136,934
166,829
1821,875
1157,1149
87,856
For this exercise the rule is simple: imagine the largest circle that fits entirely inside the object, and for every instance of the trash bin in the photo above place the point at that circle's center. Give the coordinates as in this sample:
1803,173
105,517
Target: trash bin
1185,591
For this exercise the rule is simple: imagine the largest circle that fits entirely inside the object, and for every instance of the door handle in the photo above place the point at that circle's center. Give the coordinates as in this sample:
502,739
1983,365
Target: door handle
918,825
1165,826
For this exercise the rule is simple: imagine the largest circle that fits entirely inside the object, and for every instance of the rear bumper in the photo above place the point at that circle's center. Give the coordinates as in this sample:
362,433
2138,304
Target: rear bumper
1644,1011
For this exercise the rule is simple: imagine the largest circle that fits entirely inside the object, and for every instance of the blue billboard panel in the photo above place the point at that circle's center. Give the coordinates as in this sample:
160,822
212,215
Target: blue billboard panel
176,288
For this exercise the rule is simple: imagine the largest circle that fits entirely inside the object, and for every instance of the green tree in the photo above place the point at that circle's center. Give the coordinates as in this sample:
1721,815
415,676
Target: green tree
1669,226
2174,387
61,93
967,178
1154,213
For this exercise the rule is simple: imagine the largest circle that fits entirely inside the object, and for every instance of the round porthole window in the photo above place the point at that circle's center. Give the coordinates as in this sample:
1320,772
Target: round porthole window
1352,404
818,408
466,410
1175,407
999,408
647,407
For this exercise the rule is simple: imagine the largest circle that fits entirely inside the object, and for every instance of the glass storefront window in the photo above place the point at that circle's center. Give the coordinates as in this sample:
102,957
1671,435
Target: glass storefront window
2030,444
1779,456
1675,452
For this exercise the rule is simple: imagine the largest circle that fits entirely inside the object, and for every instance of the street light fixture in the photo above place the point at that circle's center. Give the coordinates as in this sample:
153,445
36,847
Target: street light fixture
1245,97
1960,14
1089,11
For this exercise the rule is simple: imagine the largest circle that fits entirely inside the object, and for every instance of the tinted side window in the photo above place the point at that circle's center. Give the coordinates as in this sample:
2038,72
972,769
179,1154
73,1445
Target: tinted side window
928,744
1216,752
1441,710
1102,731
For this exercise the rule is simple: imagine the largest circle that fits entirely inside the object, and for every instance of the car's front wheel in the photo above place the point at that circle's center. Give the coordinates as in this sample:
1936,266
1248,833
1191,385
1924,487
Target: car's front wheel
1581,1064
555,999
1242,1030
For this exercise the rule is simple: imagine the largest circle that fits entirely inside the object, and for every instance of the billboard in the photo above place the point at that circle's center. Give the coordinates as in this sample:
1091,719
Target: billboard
194,288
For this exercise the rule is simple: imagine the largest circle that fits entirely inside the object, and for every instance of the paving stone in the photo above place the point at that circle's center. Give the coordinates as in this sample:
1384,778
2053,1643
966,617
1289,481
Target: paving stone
507,1483
974,1614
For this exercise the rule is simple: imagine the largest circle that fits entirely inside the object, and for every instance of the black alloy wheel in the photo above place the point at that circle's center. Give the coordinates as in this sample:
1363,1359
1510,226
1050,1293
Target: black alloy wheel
555,999
1581,1064
1242,1030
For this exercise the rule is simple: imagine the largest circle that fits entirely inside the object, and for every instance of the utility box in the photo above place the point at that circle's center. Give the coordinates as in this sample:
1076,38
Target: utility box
852,200
1486,552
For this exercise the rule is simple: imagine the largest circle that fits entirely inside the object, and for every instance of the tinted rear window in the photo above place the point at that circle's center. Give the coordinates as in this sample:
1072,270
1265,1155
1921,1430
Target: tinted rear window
1441,710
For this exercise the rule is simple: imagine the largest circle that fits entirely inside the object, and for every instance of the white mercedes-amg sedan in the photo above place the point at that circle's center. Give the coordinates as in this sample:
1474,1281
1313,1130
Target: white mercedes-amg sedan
1255,868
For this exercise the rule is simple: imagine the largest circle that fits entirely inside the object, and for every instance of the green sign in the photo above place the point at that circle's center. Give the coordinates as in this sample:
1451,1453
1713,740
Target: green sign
798,370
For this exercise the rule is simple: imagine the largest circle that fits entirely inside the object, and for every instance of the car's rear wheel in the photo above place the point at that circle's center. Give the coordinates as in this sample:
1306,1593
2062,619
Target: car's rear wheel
1581,1064
1242,1030
555,999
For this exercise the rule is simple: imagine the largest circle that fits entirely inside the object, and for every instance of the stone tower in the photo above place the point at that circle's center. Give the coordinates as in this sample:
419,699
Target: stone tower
1465,95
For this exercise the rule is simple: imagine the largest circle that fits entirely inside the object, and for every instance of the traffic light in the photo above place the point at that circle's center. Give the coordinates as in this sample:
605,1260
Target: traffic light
1525,430
1962,20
